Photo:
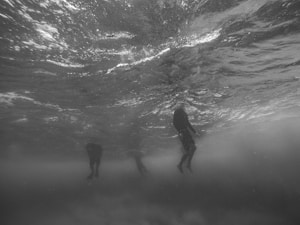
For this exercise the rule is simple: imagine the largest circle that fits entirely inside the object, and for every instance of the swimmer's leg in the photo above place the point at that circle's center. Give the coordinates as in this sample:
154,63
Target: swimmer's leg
185,144
92,170
183,158
190,156
97,162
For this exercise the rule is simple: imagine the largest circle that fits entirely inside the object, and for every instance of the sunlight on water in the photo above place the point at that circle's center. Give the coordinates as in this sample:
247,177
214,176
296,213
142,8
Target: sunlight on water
61,3
10,3
195,40
65,64
121,65
191,41
11,98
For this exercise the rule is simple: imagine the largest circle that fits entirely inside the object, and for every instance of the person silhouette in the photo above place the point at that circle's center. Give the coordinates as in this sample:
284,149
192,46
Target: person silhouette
137,155
133,139
184,128
140,165
94,152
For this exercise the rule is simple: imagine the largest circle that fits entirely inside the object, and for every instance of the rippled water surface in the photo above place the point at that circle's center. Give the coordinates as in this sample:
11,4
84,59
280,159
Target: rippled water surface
111,71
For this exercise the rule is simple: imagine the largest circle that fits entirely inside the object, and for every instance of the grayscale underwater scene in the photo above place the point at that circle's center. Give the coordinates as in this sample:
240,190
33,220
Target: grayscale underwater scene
111,73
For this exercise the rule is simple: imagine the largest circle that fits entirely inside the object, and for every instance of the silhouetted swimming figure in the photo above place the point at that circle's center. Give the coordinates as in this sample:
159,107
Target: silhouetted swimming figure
94,152
183,127
133,139
139,163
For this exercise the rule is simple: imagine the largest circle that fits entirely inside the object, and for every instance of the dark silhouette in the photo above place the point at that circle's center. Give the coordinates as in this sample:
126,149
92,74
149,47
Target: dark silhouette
137,155
183,126
94,152
133,139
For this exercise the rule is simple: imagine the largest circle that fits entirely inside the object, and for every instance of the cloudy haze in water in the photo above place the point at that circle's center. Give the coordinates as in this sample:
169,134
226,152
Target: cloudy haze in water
112,72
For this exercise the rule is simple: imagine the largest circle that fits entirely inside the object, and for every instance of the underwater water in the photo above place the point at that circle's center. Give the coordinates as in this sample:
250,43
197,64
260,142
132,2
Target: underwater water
111,72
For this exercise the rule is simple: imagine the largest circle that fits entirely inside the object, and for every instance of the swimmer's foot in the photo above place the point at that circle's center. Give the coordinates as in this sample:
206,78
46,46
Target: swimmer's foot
180,168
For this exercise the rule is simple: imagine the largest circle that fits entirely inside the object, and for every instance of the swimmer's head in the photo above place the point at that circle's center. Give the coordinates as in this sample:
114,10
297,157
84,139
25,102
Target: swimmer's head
180,105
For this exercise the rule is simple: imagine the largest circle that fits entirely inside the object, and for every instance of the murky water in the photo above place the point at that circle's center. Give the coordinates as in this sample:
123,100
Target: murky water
111,71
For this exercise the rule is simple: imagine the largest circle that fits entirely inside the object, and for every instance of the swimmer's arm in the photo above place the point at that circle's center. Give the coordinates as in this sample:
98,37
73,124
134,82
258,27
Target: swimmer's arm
190,125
